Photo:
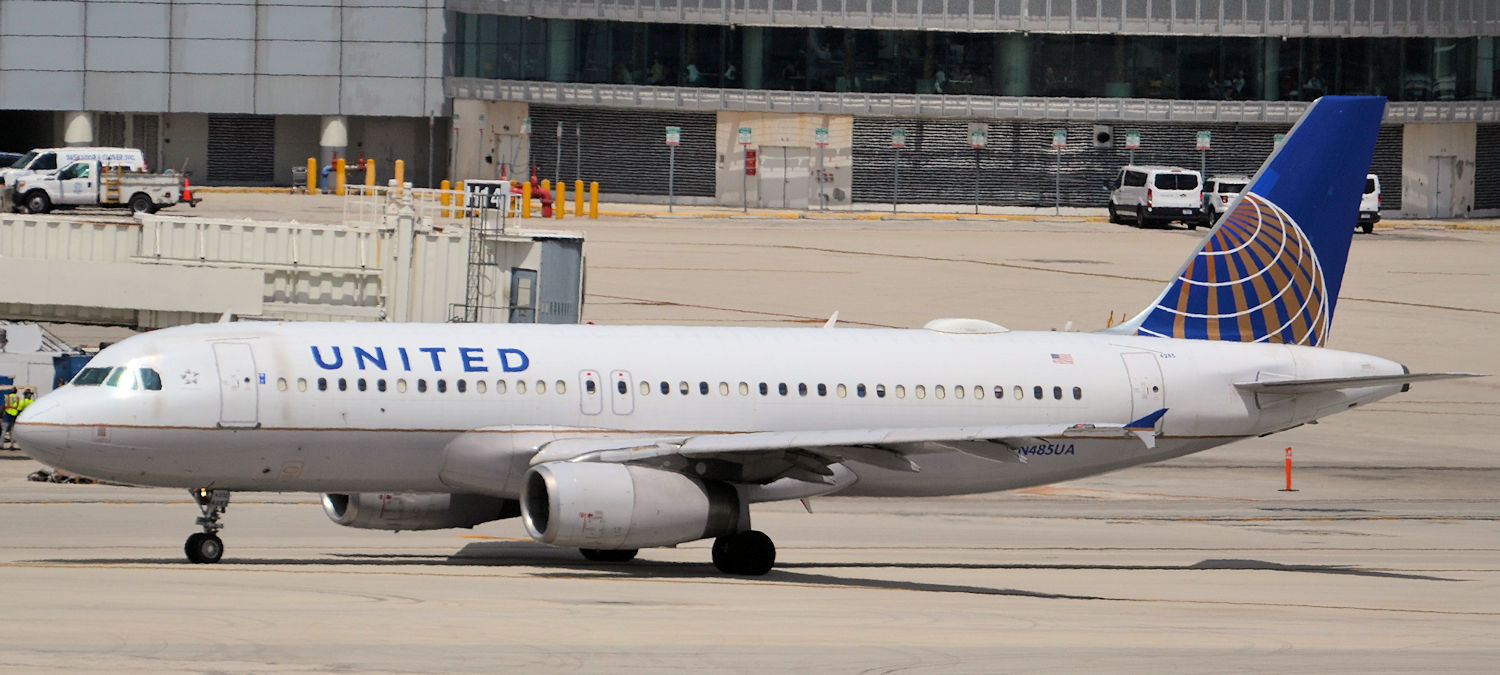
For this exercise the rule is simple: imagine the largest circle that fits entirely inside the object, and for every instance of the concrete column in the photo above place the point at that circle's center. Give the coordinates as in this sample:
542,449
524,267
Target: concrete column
78,128
753,56
561,35
1013,65
333,138
1271,70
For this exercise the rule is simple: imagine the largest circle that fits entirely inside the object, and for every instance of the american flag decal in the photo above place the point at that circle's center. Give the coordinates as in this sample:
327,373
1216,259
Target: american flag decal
1063,359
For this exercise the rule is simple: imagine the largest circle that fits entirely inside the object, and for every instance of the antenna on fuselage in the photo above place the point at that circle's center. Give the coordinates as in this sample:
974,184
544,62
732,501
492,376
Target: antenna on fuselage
832,320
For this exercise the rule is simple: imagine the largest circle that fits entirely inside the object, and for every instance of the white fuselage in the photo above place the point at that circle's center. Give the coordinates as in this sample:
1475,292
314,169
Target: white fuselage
377,407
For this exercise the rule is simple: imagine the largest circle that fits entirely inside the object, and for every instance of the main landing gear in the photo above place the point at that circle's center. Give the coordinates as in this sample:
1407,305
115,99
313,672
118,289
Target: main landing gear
749,553
205,546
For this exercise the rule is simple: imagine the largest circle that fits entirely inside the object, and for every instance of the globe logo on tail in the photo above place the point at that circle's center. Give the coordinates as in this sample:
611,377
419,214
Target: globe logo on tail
1257,279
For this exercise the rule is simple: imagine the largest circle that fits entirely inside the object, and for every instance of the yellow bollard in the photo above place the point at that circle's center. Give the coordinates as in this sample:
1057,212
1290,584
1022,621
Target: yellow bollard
578,197
339,179
594,200
461,201
400,172
369,173
312,175
561,203
444,198
526,199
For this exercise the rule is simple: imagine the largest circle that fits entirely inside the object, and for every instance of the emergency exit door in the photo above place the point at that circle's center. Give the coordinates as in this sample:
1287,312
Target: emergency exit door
239,391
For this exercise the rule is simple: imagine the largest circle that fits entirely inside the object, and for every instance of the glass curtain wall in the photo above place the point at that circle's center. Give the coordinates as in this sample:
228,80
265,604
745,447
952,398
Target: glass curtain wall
991,64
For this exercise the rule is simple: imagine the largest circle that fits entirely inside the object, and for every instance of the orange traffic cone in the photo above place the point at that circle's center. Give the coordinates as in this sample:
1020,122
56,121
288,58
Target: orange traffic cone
187,191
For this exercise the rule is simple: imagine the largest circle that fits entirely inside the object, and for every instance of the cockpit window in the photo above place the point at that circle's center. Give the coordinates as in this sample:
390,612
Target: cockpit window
150,379
89,377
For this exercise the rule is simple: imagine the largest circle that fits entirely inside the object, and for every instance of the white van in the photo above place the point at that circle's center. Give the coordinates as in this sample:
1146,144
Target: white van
1369,204
51,159
1157,193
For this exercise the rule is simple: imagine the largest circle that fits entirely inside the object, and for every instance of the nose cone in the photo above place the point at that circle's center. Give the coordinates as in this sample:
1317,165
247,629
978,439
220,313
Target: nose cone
41,431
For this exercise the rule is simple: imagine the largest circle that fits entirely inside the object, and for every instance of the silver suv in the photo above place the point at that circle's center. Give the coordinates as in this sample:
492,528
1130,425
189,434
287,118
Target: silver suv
1162,194
1218,192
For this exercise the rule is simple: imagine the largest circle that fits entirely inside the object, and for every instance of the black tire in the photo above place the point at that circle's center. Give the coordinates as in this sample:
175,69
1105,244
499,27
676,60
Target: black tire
1367,228
141,203
617,555
1140,216
1114,217
203,547
38,202
749,553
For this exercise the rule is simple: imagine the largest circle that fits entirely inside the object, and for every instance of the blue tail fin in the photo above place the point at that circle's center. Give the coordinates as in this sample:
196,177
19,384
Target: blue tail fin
1270,271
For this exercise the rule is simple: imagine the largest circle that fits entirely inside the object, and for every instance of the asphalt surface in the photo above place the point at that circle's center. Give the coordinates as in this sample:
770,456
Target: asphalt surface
1385,559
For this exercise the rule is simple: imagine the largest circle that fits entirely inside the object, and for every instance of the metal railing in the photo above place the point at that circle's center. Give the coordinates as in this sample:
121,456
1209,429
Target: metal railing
1291,18
944,105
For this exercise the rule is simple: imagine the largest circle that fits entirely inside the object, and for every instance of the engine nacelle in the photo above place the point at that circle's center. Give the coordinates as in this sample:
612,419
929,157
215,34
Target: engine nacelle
614,506
414,511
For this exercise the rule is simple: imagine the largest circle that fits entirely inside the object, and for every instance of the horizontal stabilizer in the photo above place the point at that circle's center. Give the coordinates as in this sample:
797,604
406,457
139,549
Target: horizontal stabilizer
1336,383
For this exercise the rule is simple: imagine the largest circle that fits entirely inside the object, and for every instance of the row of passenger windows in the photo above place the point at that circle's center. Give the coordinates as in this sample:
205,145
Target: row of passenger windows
124,378
920,391
859,390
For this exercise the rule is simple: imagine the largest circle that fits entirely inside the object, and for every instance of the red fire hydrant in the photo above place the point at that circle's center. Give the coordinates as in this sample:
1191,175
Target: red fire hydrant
545,196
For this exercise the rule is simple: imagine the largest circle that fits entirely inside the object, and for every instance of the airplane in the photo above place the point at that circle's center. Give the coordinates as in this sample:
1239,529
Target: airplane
610,439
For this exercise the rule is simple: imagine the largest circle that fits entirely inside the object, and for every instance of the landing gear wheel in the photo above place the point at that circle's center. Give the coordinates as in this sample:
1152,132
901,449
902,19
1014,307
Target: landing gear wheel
748,553
204,547
617,555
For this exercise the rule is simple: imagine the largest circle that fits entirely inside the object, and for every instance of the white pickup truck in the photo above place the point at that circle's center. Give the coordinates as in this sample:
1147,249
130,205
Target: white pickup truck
84,183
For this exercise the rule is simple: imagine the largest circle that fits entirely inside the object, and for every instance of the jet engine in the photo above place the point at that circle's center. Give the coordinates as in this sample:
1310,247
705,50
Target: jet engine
619,506
416,511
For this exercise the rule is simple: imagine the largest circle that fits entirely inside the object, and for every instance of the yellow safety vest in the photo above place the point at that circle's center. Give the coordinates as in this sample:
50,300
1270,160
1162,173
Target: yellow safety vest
12,404
23,404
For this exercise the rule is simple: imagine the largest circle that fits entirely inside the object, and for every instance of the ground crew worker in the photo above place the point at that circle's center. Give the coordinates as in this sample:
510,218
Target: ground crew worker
12,408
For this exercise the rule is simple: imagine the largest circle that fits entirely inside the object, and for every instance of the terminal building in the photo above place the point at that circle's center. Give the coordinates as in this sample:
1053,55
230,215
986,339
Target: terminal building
240,91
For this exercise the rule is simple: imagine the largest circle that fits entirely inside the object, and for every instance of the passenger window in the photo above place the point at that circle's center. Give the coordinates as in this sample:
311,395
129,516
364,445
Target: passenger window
479,386
421,386
322,384
958,391
1057,393
1037,392
723,388
1135,179
683,387
151,380
921,391
665,388
859,390
624,388
520,386
999,392
644,388
978,392
380,385
939,392
1078,393
879,391
301,384
360,384
822,389
281,384
401,386
703,388
842,390
499,386
744,389
442,386
1018,392
343,384
589,387
781,388
462,385
801,388
763,390
541,387
900,391
560,387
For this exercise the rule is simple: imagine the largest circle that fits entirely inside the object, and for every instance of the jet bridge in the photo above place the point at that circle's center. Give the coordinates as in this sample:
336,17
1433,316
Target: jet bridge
405,256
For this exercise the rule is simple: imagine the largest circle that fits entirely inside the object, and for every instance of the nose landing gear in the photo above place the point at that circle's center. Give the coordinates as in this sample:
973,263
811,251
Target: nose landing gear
205,546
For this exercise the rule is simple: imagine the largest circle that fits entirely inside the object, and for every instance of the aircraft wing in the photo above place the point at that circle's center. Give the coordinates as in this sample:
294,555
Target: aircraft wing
761,456
1334,383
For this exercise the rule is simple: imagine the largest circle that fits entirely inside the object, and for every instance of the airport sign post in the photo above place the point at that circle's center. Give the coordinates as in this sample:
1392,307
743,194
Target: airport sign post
674,137
820,139
1132,143
745,159
559,152
1059,141
978,135
898,141
1203,145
